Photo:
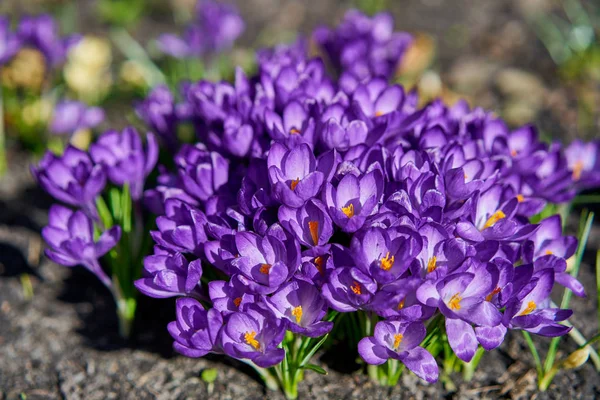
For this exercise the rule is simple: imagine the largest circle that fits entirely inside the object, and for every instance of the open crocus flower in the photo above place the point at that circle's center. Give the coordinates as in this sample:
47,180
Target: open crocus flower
400,341
232,296
267,262
440,253
376,98
293,174
70,235
295,125
196,331
354,199
584,162
72,178
255,335
349,289
72,116
310,224
125,159
169,275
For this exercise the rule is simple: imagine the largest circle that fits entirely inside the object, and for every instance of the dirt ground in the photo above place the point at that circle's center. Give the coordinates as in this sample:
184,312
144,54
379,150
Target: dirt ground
62,341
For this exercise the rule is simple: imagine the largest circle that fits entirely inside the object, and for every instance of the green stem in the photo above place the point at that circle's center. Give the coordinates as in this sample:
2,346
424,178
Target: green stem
547,379
469,367
3,162
536,356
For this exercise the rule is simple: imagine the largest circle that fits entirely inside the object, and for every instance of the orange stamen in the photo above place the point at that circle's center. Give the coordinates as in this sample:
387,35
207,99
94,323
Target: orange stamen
495,217
297,312
265,268
454,302
531,306
520,198
356,288
294,131
348,210
549,252
494,292
313,227
318,261
237,301
294,183
577,170
431,264
379,113
387,262
249,338
397,340
513,152
401,304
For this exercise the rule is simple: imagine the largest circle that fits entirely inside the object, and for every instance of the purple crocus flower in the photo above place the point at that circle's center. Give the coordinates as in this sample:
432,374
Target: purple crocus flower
124,158
70,236
72,178
72,116
196,331
354,199
293,174
301,304
310,224
41,33
400,341
201,172
232,296
295,125
349,289
159,112
267,262
181,229
169,275
584,161
9,42
255,335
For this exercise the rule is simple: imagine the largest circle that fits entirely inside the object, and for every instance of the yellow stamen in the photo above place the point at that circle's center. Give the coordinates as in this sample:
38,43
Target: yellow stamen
237,301
454,302
265,268
348,210
497,216
249,338
397,340
297,312
466,176
313,227
513,152
494,292
356,288
401,304
379,113
294,131
294,183
577,170
431,264
549,252
387,262
520,198
318,261
531,306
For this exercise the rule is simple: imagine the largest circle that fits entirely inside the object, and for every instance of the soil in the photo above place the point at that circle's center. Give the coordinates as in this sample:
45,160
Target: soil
61,341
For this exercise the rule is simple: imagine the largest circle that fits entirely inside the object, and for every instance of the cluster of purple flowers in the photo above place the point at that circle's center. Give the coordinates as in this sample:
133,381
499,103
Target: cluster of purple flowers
78,179
39,33
306,193
215,27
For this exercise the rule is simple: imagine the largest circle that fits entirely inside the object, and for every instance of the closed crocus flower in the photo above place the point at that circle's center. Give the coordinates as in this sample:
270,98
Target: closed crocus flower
125,159
201,172
71,178
70,237
159,112
169,275
400,341
72,116
196,331
181,229
255,335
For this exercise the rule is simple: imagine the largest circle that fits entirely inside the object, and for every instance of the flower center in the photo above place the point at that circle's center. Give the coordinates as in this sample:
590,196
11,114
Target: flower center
513,152
313,227
237,301
356,288
319,264
265,268
348,210
431,264
520,198
294,183
454,302
494,292
294,131
401,304
397,340
497,216
531,306
387,262
549,252
249,338
297,312
379,113
577,170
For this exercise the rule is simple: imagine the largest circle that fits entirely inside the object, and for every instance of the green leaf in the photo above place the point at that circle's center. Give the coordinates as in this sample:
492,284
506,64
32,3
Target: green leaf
126,207
209,375
315,368
312,351
104,213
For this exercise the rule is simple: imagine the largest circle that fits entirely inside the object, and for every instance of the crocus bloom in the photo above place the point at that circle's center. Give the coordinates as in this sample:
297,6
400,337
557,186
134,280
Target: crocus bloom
310,224
181,229
70,236
72,178
300,303
125,159
9,42
255,335
232,296
159,112
354,199
170,275
349,289
293,174
72,116
584,162
201,172
400,341
196,331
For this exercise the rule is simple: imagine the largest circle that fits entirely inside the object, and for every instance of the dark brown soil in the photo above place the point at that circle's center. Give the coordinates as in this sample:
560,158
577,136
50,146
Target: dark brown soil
62,342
